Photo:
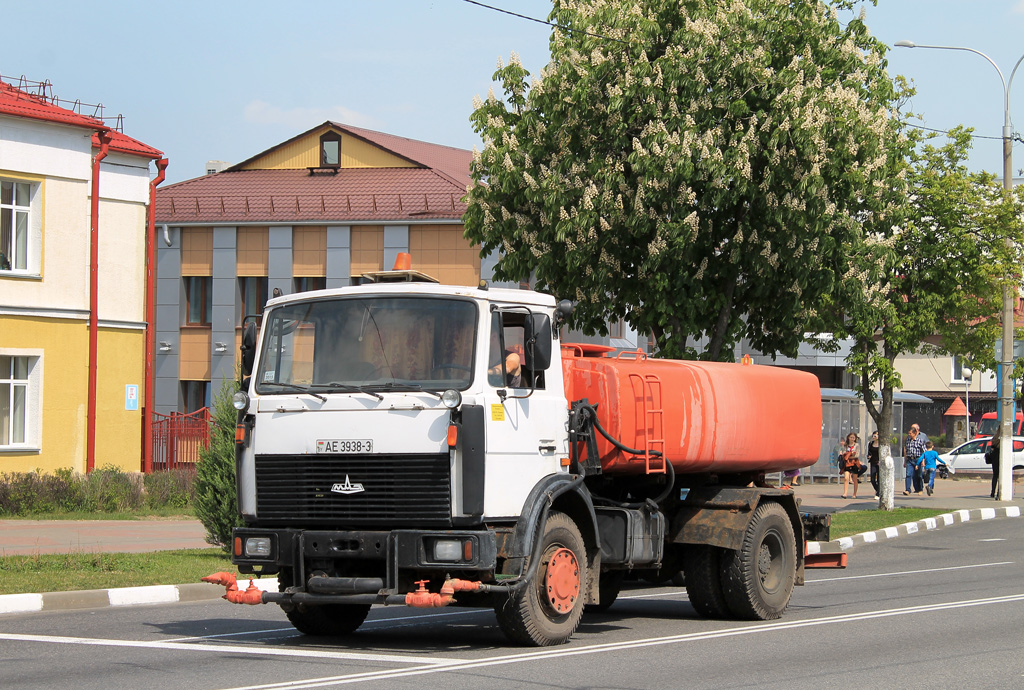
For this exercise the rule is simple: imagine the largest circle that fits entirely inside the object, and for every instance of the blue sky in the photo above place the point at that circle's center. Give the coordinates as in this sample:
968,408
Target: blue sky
226,80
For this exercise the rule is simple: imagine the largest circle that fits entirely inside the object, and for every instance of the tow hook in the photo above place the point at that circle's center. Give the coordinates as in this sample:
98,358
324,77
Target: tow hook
252,595
424,599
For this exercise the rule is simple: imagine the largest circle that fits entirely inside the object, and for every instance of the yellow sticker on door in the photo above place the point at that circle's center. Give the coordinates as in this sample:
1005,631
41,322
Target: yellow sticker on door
497,413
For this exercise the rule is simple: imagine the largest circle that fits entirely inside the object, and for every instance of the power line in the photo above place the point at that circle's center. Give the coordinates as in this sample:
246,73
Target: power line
1015,137
542,21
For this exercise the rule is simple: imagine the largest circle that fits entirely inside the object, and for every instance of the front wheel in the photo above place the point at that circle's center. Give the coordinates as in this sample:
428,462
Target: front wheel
758,579
547,610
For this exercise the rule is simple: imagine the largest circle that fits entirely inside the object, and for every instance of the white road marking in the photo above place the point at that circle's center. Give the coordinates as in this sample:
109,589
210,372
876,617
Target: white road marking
227,649
619,646
907,572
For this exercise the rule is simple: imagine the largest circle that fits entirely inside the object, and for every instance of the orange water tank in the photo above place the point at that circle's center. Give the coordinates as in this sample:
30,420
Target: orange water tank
704,416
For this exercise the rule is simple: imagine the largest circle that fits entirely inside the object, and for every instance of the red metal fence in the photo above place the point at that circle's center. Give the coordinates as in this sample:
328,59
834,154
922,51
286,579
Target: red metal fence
178,438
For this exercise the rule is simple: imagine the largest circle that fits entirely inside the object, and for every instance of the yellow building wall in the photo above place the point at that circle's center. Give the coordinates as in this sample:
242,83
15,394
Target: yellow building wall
65,385
305,153
120,362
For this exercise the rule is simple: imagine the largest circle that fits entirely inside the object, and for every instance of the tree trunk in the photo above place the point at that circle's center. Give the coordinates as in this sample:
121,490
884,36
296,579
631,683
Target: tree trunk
722,326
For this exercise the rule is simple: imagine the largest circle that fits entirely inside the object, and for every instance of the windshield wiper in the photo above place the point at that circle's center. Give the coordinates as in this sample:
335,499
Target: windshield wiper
404,387
347,388
295,387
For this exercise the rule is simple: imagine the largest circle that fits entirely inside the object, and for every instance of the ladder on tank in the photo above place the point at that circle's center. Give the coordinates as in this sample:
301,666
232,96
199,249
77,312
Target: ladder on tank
648,391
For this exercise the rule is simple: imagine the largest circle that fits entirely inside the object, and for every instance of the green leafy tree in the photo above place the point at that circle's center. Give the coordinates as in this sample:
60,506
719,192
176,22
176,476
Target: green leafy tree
216,500
930,275
698,168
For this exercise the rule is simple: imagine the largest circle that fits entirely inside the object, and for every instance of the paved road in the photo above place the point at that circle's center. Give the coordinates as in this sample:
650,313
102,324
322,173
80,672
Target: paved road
938,609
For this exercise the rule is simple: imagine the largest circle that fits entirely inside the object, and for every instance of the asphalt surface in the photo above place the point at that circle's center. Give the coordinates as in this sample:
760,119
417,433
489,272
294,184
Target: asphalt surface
966,499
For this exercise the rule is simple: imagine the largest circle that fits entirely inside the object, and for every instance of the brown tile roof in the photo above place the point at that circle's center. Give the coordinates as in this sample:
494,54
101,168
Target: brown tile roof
451,161
295,196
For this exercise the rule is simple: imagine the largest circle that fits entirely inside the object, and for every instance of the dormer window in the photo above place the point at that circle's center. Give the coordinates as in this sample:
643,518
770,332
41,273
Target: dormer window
330,150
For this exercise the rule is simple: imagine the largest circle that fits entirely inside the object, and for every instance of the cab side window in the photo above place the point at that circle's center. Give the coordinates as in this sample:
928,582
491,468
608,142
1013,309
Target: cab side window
507,349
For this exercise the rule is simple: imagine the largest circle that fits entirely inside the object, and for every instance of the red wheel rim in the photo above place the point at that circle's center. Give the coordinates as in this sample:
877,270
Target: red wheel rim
562,580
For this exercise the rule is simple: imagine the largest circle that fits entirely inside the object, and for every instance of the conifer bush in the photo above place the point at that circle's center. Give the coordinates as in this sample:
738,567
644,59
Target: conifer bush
216,502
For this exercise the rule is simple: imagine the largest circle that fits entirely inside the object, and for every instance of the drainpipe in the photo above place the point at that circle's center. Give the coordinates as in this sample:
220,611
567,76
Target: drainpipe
94,251
147,410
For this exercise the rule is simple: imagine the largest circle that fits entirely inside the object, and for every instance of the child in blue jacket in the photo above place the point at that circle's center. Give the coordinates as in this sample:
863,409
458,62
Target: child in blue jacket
929,459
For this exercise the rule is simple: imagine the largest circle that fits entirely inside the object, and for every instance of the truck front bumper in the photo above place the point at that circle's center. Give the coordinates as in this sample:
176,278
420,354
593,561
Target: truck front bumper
425,552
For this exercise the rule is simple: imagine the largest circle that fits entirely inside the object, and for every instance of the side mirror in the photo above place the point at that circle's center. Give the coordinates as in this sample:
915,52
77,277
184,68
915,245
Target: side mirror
537,337
248,348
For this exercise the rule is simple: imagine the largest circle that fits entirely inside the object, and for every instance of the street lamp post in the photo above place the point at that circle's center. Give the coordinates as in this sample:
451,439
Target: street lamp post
966,372
1006,415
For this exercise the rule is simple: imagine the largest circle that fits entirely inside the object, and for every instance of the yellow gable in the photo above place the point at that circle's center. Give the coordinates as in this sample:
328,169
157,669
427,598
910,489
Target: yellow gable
304,152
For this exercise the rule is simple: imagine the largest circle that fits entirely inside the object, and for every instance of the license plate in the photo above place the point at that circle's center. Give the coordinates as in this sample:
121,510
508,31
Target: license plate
344,445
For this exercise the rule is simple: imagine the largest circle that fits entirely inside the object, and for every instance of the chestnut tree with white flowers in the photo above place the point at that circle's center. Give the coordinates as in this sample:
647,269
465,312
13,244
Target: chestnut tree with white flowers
697,167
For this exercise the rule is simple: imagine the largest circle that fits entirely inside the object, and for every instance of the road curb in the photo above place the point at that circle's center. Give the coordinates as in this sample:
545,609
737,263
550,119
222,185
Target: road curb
124,596
907,528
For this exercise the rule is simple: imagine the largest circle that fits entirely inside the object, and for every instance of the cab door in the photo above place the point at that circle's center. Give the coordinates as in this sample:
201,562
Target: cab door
526,416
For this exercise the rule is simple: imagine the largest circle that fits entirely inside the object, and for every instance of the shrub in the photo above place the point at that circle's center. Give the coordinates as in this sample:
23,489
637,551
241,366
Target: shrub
216,502
170,489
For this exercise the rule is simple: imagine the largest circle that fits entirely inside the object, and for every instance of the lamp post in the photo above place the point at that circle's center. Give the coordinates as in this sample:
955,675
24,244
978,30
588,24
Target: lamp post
1006,415
966,372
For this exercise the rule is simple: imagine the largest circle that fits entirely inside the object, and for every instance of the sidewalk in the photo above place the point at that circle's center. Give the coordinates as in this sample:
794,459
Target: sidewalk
952,494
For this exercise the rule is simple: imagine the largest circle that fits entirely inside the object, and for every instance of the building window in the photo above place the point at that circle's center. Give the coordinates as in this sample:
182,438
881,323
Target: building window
195,395
330,150
253,291
18,397
616,328
15,211
958,370
199,300
310,283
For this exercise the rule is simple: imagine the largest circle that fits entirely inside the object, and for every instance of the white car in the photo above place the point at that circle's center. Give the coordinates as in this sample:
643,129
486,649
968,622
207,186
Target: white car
970,456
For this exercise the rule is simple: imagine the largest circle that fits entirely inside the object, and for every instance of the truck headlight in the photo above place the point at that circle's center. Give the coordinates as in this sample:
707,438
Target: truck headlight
240,401
448,550
257,546
451,398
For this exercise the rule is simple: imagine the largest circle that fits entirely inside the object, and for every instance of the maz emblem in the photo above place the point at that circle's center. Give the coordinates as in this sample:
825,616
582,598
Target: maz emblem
347,487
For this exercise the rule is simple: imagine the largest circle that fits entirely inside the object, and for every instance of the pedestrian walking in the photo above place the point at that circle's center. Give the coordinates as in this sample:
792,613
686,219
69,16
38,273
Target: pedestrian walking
992,458
873,461
851,464
930,461
912,452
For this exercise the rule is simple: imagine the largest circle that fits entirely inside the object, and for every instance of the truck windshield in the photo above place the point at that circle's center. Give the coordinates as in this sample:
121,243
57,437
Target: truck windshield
382,343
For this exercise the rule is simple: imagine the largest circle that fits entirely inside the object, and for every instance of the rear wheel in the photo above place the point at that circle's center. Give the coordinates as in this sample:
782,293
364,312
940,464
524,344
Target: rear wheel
326,620
547,610
704,581
758,579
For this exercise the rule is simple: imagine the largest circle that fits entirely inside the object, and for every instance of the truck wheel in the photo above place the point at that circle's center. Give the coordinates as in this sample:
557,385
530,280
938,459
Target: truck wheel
703,577
327,620
608,586
548,610
758,579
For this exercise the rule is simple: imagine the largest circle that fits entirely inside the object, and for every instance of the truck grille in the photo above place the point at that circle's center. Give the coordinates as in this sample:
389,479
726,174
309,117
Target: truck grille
398,491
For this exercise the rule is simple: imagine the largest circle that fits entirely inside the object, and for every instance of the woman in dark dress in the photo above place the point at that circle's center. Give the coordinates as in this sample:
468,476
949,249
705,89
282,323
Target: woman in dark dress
873,461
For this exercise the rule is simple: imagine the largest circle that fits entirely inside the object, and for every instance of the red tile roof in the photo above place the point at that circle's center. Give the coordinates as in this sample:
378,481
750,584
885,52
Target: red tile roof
14,101
294,196
123,143
19,103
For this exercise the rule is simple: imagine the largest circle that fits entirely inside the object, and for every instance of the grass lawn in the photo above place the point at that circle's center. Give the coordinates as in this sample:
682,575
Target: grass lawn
847,523
75,571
